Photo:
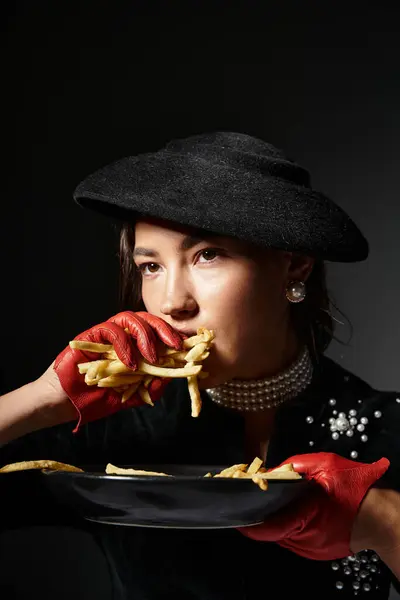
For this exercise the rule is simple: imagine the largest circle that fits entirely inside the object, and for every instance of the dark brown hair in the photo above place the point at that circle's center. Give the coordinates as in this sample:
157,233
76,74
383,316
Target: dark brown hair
312,318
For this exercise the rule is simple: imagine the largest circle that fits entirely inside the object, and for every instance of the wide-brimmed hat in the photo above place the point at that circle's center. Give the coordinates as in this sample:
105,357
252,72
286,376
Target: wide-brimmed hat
230,184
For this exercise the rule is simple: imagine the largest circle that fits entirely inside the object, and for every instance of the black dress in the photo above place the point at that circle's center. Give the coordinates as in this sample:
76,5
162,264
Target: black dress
152,564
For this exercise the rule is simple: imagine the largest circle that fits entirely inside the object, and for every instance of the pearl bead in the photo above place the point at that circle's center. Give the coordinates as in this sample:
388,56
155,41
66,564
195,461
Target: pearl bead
353,421
360,427
398,400
352,412
375,558
332,420
349,433
334,412
310,420
342,415
342,423
364,438
339,585
311,443
332,402
359,401
377,414
335,566
335,435
354,454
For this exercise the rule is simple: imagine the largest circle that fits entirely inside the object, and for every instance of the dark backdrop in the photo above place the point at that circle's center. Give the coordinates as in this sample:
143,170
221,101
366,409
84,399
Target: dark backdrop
87,82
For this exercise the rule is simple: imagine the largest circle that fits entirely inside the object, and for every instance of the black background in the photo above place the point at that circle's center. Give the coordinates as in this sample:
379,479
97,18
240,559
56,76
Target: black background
86,82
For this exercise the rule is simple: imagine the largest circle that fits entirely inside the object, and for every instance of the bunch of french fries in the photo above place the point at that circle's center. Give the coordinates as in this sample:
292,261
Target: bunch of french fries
257,473
109,371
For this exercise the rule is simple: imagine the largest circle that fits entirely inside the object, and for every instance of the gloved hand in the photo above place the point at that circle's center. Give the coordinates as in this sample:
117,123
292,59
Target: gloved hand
145,331
319,525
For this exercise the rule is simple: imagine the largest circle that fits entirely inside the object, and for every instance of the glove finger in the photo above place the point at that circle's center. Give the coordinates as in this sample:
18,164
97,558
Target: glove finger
167,334
110,333
141,331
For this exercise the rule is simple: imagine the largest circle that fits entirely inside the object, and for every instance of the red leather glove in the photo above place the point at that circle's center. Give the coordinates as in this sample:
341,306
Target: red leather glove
92,402
319,525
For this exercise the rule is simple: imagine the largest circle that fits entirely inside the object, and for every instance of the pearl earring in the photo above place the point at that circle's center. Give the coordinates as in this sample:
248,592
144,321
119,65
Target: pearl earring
296,291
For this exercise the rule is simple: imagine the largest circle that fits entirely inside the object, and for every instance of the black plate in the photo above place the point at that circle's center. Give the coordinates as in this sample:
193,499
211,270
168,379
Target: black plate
187,500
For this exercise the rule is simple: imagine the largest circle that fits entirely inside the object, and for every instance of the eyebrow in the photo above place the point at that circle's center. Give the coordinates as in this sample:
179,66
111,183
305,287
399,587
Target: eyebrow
187,243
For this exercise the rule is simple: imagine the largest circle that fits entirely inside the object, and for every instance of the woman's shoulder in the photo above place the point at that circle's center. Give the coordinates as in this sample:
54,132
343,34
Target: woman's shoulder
349,386
355,419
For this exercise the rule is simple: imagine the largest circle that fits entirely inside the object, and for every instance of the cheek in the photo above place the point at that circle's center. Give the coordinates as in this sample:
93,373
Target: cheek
151,296
243,295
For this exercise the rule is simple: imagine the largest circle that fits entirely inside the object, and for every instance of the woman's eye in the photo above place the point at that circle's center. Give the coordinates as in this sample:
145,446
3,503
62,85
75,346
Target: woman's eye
147,268
208,254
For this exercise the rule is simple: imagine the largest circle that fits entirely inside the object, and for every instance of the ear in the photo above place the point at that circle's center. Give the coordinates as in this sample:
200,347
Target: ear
299,267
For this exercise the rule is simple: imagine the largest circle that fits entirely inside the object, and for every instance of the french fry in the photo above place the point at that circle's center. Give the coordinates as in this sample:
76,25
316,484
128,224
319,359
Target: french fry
94,372
255,465
279,475
112,470
128,393
117,380
262,484
205,335
177,355
145,396
229,471
285,467
28,465
90,346
147,380
115,367
195,397
111,355
195,353
147,369
167,362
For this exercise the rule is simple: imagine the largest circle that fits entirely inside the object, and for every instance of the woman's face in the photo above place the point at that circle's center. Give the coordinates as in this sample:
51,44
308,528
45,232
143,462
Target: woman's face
220,283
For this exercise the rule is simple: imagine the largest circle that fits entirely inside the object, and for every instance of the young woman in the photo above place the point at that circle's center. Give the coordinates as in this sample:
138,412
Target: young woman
223,231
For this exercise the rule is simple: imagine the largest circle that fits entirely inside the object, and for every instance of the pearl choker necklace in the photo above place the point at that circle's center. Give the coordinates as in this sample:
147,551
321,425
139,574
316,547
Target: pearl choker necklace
261,394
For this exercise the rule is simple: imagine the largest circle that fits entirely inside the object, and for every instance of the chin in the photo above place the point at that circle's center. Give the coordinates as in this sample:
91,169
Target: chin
217,376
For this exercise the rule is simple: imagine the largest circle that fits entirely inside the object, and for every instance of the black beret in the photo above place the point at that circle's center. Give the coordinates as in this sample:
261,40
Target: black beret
230,184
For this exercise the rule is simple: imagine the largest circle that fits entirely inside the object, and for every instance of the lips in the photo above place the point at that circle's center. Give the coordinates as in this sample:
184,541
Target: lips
186,332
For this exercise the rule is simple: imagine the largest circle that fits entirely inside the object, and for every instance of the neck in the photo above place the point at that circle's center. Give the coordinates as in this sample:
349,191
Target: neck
278,356
265,393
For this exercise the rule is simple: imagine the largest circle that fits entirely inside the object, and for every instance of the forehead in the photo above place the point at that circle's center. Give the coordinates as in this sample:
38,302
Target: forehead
150,225
153,235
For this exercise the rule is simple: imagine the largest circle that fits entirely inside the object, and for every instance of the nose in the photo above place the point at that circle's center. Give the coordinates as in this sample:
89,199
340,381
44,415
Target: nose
178,301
